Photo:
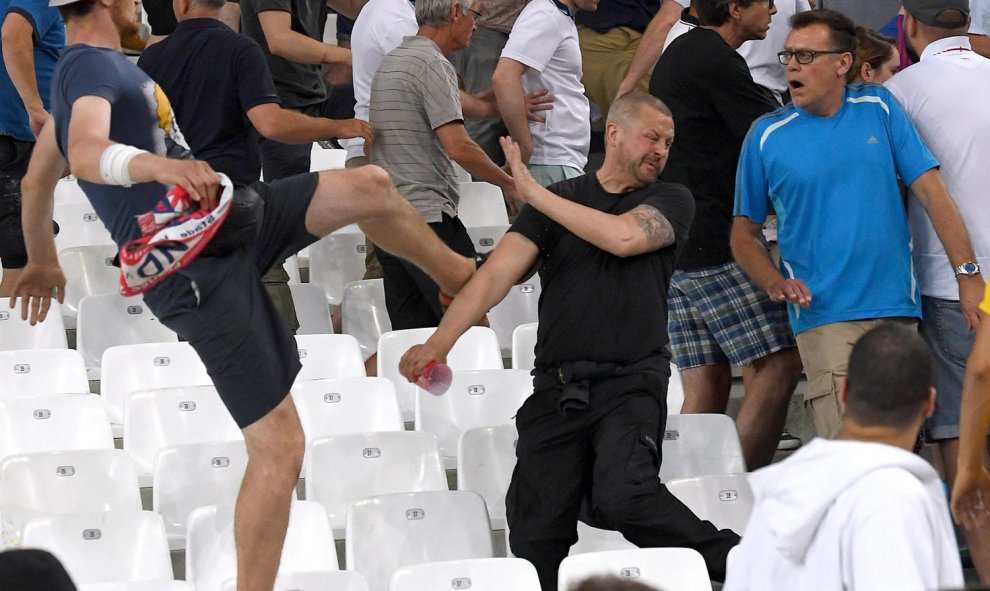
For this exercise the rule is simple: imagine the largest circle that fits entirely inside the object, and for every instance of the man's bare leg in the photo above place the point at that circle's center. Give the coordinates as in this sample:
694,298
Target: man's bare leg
706,388
978,539
769,384
275,445
367,196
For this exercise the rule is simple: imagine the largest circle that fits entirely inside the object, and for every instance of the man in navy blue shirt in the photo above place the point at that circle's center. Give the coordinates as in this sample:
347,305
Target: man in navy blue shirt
112,124
33,37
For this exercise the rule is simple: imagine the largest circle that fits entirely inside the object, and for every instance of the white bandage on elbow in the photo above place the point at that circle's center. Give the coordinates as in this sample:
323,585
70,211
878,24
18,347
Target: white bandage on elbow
114,163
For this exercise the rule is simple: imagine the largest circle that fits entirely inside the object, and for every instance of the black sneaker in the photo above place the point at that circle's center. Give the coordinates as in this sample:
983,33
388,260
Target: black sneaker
788,442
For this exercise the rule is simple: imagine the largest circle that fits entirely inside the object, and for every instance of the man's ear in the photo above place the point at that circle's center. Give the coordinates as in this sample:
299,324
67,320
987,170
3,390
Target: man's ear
930,403
844,394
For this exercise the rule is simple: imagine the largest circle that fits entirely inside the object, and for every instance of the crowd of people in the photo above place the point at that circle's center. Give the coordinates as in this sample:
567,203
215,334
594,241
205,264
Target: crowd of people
782,191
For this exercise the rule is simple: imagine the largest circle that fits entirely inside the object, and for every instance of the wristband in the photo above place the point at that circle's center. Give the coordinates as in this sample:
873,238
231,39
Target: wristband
114,163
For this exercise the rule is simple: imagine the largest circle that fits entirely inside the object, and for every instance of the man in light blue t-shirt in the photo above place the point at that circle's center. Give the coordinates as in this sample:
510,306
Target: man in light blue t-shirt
828,165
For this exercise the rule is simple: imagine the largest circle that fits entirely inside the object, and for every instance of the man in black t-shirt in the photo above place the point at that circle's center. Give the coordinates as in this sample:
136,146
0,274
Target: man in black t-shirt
718,315
591,431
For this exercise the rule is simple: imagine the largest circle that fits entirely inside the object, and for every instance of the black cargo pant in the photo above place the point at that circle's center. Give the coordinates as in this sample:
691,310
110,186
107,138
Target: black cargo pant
606,456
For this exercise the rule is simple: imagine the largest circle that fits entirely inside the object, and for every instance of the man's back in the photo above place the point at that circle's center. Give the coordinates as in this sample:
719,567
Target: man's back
213,76
413,93
847,515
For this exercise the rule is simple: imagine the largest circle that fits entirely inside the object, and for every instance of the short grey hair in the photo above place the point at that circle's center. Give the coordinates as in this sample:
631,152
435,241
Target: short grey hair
626,108
436,13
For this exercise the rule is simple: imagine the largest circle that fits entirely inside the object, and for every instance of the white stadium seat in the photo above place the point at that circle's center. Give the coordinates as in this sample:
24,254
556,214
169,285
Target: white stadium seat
16,334
520,306
56,422
110,320
329,356
40,372
78,225
670,569
524,346
341,580
481,204
479,574
486,457
336,260
310,301
724,499
88,271
700,444
364,315
326,158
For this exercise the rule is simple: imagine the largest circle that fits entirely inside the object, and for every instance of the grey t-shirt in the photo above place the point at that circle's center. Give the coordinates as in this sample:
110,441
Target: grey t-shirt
413,93
298,85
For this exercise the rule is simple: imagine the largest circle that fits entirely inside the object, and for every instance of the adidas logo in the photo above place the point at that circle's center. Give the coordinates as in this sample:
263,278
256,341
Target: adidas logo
873,140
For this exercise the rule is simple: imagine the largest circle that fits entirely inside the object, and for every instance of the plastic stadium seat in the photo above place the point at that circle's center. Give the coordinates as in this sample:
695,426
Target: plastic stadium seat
698,445
388,532
78,225
480,574
329,356
65,482
476,349
486,238
195,475
725,500
520,306
110,320
345,468
210,553
67,190
336,260
88,271
670,569
40,372
477,398
346,405
675,392
312,310
57,422
463,176
139,586
16,334
341,580
364,315
592,539
485,459
326,158
524,346
130,368
105,547
163,417
481,204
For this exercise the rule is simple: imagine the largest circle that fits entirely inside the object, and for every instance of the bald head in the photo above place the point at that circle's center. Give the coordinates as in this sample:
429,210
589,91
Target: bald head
626,109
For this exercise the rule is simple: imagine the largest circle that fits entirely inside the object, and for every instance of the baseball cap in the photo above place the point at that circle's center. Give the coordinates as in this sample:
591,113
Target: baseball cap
933,12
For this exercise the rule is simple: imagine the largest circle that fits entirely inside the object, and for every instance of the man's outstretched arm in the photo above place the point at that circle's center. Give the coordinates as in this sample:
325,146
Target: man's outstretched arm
751,254
650,45
511,259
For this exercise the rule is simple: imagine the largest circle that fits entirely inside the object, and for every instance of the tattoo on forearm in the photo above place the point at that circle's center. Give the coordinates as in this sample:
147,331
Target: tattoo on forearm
658,230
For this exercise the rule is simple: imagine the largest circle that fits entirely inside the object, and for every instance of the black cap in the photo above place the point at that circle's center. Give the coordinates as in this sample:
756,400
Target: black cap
945,14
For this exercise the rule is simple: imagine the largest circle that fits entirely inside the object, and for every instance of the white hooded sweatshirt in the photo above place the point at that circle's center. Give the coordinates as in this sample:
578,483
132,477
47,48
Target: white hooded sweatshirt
847,516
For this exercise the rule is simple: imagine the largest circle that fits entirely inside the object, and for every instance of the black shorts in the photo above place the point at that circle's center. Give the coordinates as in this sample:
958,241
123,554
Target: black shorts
14,156
220,306
412,298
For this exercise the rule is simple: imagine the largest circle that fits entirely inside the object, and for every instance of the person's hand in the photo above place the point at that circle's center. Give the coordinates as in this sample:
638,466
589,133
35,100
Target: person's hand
790,290
625,87
537,101
525,183
416,359
195,176
36,286
971,290
37,118
350,128
969,495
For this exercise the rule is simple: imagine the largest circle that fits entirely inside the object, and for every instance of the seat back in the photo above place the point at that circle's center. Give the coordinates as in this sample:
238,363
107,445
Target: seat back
479,574
591,539
67,190
312,310
520,306
388,532
481,204
345,468
211,557
163,417
129,368
476,349
329,356
671,569
476,398
314,581
486,238
194,475
326,158
78,225
110,320
724,499
40,372
105,547
57,422
336,260
486,457
139,586
88,271
364,314
17,334
64,482
700,444
524,346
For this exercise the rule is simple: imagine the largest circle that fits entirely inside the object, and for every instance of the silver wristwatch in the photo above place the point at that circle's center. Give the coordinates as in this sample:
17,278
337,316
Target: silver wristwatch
969,269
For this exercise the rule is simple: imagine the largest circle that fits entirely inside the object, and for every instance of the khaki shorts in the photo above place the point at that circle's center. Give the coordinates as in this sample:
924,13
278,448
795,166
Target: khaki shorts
825,353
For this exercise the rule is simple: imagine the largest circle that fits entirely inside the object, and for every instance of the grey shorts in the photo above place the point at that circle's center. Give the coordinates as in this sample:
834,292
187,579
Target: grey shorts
944,329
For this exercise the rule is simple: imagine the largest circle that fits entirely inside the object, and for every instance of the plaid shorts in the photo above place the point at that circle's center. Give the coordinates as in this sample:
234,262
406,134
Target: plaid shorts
718,314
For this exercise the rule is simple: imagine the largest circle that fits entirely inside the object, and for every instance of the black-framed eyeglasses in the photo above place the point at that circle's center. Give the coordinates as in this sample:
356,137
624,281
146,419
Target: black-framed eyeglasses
474,12
804,56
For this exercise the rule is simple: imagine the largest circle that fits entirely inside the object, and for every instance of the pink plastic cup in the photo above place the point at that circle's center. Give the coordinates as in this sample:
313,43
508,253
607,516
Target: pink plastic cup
435,378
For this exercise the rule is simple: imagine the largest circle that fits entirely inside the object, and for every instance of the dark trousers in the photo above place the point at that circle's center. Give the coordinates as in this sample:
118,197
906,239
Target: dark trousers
14,156
411,297
601,465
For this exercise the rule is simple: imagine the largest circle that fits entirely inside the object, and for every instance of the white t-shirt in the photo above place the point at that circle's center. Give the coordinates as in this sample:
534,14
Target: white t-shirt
944,94
379,28
761,55
980,17
546,41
